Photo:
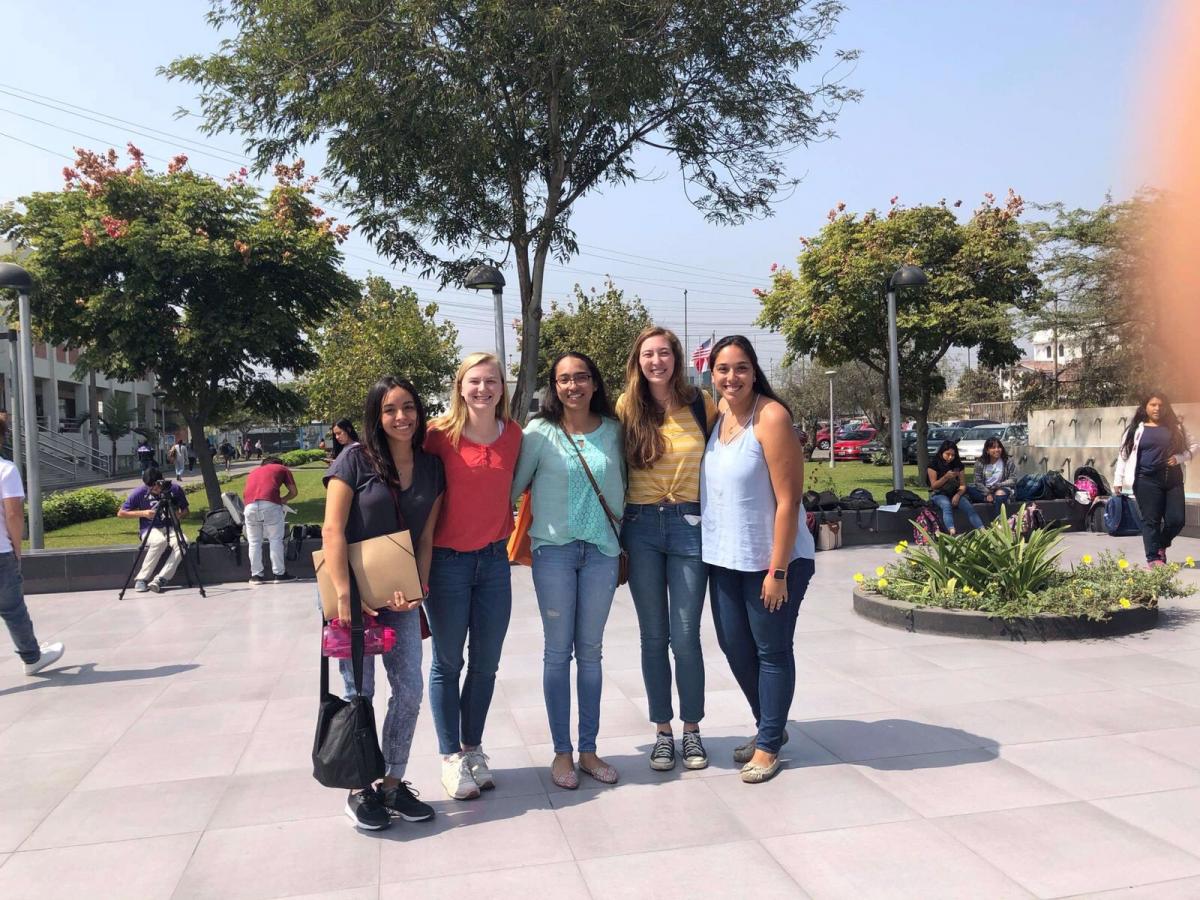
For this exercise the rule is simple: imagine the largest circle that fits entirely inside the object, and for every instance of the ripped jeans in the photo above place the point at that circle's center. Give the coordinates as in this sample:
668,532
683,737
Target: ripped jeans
574,583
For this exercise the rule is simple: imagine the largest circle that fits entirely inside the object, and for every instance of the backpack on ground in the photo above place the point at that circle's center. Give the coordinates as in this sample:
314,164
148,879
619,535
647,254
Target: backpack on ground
219,528
827,501
1121,517
1031,487
1099,480
1058,487
1086,490
859,501
810,500
906,499
1026,520
926,526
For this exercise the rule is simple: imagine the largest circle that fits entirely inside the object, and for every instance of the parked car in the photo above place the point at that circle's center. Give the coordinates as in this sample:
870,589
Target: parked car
849,446
970,445
874,448
973,423
935,438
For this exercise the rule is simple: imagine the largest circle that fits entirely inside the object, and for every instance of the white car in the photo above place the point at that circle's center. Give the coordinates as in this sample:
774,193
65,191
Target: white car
970,445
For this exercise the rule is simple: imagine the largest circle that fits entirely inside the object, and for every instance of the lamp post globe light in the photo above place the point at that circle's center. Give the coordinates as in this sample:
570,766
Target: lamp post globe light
829,373
911,277
14,276
488,278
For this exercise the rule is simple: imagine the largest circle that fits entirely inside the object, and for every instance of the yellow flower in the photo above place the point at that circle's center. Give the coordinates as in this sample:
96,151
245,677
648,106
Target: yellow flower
882,582
858,577
904,544
1190,563
1087,559
1125,604
1088,592
1122,564
879,570
899,548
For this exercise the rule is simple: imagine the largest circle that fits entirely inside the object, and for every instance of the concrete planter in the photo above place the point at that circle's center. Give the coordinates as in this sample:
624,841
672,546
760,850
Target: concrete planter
967,623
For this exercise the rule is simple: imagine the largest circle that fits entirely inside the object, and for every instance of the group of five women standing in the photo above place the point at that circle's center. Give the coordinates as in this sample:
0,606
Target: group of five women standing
699,495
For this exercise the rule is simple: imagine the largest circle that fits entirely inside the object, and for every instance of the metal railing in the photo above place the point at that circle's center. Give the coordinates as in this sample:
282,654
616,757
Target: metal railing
64,452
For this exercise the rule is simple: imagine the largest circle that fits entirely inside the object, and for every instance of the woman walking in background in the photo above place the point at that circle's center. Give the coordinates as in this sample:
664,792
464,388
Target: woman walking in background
384,485
761,559
571,458
948,486
470,591
666,424
1151,462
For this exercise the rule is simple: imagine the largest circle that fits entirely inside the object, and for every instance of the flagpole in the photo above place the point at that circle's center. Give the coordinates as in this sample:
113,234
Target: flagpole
685,322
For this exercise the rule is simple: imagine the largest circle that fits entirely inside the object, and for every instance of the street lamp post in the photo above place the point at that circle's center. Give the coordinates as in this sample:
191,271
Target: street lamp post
14,276
905,276
487,278
829,374
159,396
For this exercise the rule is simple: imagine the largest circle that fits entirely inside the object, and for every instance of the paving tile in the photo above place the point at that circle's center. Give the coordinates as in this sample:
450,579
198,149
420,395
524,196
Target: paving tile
116,697
896,860
47,771
1004,722
1121,710
937,689
278,860
1179,889
632,819
878,736
362,893
1187,693
959,782
1173,816
809,799
1037,678
267,752
145,869
21,811
743,869
1178,744
878,663
1102,852
268,797
474,837
841,640
197,721
125,813
167,759
834,699
1100,767
245,688
31,735
1136,670
562,881
972,655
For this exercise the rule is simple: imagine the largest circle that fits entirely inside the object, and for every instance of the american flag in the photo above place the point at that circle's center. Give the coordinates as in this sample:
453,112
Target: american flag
700,355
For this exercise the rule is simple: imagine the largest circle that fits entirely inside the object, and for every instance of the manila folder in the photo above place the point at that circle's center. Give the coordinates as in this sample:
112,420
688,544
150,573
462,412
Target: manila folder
381,566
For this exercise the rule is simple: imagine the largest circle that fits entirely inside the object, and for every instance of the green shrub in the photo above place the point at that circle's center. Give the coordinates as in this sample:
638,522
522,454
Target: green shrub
83,505
295,458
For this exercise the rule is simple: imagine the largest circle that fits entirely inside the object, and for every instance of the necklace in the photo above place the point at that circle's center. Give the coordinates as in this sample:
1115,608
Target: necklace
741,426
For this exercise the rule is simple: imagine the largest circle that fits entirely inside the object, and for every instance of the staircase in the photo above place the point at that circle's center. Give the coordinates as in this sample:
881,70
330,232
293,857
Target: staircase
66,462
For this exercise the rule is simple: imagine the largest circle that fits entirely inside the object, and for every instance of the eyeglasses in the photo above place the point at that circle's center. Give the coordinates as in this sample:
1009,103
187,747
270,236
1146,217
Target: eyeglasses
577,378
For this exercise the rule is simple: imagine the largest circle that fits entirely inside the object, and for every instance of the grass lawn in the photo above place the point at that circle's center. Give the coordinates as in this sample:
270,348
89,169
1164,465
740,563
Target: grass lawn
309,505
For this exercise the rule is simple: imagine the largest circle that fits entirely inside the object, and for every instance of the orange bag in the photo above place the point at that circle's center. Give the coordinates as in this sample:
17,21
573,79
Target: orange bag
520,550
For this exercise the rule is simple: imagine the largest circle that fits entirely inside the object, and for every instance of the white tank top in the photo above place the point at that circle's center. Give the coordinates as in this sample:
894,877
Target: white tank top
737,505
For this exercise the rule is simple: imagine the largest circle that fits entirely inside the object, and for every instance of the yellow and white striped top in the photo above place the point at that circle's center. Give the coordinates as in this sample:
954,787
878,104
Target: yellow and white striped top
675,476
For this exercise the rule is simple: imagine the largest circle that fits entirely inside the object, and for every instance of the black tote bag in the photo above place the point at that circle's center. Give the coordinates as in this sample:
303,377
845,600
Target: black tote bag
346,750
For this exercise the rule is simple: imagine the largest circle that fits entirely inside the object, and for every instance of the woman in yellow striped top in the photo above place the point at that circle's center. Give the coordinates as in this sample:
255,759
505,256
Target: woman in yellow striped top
666,425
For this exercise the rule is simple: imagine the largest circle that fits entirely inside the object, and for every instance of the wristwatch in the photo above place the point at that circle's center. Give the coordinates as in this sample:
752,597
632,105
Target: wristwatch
779,574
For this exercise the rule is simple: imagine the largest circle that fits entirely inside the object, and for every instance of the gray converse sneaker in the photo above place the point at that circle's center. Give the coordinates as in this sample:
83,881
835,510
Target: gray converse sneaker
457,778
477,762
662,757
694,755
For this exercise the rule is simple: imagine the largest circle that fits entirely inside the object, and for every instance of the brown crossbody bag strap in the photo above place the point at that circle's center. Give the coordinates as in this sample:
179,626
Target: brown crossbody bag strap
612,520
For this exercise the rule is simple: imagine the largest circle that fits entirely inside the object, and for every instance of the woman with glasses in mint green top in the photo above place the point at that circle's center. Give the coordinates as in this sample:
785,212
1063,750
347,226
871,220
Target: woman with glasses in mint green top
575,548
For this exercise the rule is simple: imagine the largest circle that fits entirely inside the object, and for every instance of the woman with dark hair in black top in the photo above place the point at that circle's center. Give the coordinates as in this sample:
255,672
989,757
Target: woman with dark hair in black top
947,486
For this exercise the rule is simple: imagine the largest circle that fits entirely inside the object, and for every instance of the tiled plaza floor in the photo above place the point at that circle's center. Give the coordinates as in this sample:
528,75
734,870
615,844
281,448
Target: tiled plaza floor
169,757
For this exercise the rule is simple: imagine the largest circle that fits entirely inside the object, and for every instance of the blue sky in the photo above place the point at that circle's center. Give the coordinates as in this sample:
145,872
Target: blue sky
960,98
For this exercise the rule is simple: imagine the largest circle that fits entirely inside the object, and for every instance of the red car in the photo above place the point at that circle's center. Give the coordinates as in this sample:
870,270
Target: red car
849,446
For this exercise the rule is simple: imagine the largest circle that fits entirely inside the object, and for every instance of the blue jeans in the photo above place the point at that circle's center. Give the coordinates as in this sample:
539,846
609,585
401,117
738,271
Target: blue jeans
942,502
403,666
574,583
14,611
469,593
667,578
1002,499
758,644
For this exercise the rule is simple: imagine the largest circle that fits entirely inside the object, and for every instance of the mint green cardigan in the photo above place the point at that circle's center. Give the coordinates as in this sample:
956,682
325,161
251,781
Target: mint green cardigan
545,466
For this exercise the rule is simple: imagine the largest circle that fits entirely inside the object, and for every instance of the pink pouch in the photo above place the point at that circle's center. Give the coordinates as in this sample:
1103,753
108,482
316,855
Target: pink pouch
335,639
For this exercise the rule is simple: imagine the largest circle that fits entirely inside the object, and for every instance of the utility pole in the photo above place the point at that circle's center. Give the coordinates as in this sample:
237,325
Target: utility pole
687,348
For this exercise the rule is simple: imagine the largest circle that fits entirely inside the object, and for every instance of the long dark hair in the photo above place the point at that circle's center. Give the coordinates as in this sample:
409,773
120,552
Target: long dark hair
347,426
374,441
988,445
1167,417
552,408
948,445
760,377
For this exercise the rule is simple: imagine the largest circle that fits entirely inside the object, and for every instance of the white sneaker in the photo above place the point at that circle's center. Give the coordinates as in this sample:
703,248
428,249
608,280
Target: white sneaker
457,778
477,762
51,653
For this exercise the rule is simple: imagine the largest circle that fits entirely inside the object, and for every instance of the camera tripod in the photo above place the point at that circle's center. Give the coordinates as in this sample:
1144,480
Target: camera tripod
165,518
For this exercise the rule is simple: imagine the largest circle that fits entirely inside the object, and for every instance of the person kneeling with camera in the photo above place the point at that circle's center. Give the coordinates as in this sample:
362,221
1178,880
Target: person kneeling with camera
152,503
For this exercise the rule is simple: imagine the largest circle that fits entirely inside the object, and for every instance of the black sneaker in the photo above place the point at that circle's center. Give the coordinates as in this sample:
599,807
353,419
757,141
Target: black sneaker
402,801
368,813
694,755
286,576
662,757
257,580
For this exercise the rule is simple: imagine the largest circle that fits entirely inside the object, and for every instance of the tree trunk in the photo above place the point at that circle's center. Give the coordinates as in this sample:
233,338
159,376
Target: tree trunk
531,327
922,427
208,470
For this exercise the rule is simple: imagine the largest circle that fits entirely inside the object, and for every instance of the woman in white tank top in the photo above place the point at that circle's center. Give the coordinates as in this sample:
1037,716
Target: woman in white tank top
760,553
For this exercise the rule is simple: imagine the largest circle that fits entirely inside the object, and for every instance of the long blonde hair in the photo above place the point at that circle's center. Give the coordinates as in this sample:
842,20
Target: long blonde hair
452,423
640,413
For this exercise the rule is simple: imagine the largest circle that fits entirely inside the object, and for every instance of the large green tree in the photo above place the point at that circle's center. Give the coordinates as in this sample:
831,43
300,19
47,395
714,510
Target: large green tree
453,129
384,331
602,325
209,286
833,306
